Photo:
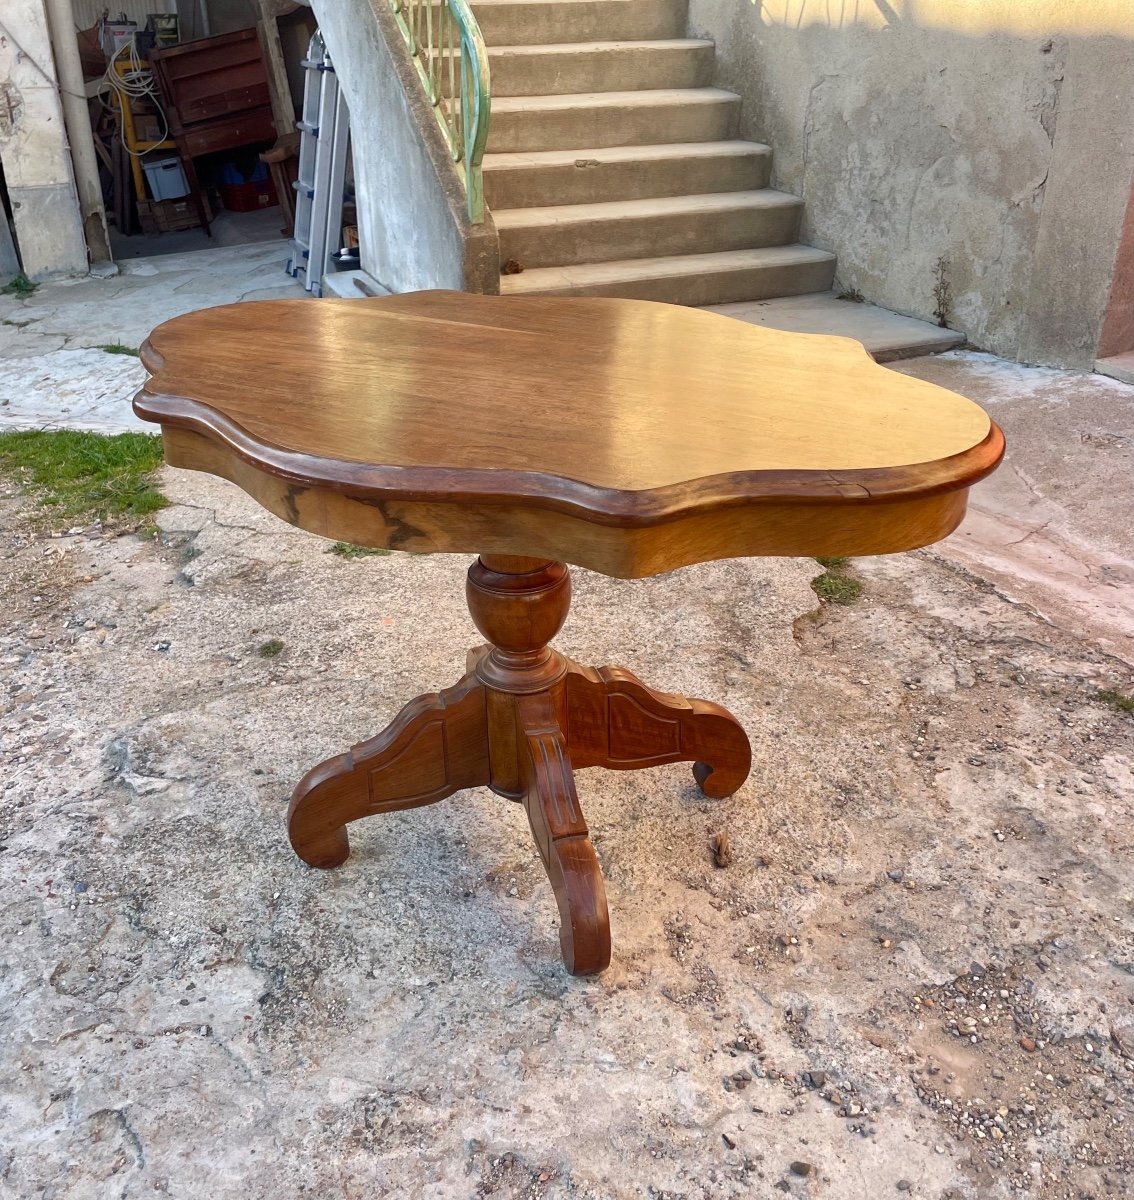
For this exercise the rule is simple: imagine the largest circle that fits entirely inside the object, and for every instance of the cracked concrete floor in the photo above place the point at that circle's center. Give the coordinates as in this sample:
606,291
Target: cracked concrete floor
53,372
915,978
932,866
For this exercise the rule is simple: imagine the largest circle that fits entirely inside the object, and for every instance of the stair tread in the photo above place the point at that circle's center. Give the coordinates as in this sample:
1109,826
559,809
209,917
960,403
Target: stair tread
659,152
694,205
672,266
646,98
603,46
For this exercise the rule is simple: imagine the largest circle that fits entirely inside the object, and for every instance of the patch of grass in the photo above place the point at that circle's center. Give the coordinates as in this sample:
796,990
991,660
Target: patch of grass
119,348
1117,699
271,649
21,286
87,474
349,550
836,585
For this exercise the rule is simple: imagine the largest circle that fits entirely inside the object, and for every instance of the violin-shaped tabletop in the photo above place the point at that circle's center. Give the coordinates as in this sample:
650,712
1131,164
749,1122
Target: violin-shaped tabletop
624,435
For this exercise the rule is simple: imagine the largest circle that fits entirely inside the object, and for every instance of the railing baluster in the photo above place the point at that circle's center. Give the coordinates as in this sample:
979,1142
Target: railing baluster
452,63
454,122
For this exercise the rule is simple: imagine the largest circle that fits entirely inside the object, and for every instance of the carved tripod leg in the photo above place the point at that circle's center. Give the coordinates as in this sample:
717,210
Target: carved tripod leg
437,745
562,837
614,720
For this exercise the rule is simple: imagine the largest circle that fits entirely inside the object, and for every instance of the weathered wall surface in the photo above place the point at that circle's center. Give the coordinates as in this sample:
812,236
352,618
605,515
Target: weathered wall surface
413,224
33,148
994,135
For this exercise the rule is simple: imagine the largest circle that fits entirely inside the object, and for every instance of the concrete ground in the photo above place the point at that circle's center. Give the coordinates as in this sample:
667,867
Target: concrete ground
915,978
226,229
54,370
886,335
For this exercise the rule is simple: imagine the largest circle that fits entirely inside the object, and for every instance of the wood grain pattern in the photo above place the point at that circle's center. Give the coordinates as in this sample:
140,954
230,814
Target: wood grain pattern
435,746
641,396
562,838
851,523
569,429
615,721
546,424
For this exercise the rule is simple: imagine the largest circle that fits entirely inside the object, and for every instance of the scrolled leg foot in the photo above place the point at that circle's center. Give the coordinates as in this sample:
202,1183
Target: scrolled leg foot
437,745
563,839
615,721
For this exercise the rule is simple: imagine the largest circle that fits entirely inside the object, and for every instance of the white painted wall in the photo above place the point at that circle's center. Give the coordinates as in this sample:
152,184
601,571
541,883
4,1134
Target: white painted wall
33,147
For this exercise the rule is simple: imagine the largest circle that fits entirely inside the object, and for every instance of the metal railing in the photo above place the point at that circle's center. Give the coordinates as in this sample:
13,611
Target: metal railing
446,44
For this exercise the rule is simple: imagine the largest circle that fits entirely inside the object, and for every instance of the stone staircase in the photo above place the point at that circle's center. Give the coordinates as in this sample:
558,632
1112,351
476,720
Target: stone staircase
613,168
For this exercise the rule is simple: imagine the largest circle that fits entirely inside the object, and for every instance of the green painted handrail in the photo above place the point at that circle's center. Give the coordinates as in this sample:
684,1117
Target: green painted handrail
448,48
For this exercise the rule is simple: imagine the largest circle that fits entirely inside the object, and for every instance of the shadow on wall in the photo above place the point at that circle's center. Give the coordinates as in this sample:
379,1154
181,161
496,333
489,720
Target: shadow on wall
993,137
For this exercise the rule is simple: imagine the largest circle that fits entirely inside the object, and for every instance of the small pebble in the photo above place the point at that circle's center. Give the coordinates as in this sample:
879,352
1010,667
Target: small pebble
802,1169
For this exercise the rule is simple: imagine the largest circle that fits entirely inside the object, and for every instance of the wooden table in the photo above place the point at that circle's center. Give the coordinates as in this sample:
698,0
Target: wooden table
628,437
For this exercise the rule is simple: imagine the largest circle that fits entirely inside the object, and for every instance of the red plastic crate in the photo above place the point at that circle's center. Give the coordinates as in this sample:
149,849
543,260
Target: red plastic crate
248,197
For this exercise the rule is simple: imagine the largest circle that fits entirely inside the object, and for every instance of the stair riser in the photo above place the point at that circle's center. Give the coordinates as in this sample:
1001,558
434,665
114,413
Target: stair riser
562,129
561,245
616,70
758,283
527,24
534,187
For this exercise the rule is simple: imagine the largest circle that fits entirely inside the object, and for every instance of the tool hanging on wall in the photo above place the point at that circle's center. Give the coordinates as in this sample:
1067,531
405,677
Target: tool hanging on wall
324,137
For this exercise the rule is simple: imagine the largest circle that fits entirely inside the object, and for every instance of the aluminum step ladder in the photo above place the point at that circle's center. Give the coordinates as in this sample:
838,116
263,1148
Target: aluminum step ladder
324,138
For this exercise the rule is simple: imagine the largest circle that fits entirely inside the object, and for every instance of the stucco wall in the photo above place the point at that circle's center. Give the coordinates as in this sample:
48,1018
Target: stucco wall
994,134
33,147
413,226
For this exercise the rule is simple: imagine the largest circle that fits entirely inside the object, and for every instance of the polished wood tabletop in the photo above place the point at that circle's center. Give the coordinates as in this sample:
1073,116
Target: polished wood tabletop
623,435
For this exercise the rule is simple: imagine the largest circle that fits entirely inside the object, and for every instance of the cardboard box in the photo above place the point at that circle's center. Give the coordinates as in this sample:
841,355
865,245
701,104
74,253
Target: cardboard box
147,127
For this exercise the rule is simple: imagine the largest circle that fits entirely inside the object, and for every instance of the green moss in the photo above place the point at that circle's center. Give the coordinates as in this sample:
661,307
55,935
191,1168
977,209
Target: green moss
271,649
119,348
21,285
85,474
836,585
349,550
1117,699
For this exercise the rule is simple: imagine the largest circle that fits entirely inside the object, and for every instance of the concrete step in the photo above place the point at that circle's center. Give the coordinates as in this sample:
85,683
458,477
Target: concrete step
1117,366
667,225
886,335
531,179
596,119
558,69
524,22
695,279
